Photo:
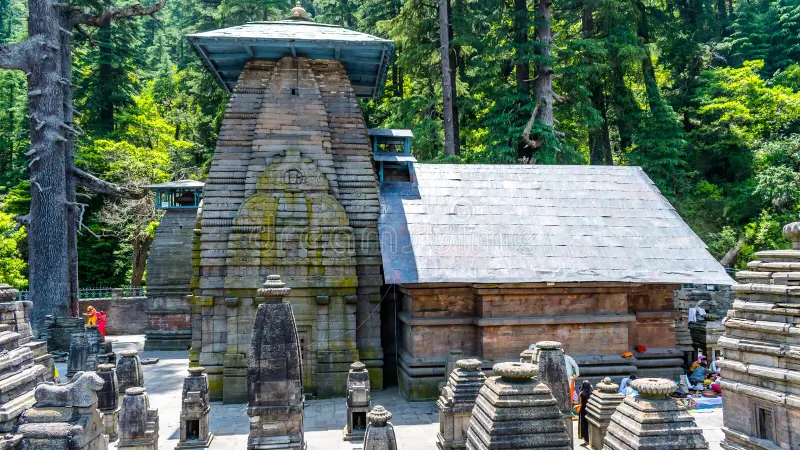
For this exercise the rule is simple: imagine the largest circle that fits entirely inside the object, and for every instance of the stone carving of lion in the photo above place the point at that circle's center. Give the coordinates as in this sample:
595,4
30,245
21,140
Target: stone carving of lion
80,392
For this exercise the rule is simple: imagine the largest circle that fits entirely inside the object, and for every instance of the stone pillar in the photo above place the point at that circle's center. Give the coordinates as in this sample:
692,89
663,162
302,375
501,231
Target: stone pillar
553,373
129,370
78,354
108,400
602,404
653,420
450,365
275,373
456,403
65,416
380,432
195,409
358,401
138,424
93,339
514,410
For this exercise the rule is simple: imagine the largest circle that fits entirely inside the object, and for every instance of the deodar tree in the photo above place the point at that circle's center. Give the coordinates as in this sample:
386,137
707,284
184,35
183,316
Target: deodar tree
46,59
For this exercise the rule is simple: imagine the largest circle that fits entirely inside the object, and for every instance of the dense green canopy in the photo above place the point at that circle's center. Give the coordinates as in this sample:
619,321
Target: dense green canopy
703,94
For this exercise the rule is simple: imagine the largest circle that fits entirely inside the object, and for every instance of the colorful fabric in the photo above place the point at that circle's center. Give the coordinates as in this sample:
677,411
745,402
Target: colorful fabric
91,316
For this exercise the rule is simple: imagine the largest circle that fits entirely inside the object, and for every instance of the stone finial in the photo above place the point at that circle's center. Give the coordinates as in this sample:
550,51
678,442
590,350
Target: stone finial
792,231
654,388
526,356
548,345
7,293
80,392
607,386
469,364
511,371
379,416
299,13
273,290
358,366
380,432
197,371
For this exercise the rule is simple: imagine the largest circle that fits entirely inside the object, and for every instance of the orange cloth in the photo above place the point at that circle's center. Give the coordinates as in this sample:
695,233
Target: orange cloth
694,365
627,354
91,316
571,391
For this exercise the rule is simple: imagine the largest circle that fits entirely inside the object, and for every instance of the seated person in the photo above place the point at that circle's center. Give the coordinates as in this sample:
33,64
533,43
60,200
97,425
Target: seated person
623,385
698,376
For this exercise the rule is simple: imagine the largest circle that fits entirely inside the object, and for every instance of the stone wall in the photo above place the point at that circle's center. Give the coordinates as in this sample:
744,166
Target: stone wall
169,275
291,191
595,322
126,315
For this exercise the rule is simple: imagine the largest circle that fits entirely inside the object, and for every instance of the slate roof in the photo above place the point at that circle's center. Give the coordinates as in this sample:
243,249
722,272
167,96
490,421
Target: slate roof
226,51
180,184
528,223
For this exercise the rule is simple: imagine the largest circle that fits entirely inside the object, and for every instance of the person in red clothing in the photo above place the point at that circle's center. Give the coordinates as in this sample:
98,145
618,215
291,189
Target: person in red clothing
101,322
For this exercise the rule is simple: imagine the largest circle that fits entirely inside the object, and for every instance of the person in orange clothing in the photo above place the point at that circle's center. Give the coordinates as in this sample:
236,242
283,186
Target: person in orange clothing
91,315
101,322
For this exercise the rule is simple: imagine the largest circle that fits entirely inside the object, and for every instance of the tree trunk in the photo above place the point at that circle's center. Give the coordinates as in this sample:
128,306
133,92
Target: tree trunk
105,71
453,78
648,71
543,84
141,247
599,137
447,89
624,104
522,68
48,237
69,165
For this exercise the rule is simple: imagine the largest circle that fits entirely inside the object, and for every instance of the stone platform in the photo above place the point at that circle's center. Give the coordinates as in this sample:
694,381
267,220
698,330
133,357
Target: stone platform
415,423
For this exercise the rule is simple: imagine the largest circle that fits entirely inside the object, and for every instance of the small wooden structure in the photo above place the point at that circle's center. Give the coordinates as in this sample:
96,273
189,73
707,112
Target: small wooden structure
183,194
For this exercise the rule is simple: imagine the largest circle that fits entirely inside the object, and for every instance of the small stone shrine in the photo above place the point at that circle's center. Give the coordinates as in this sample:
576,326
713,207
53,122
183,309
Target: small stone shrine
108,400
653,419
380,432
169,325
275,373
450,365
19,376
514,410
15,317
456,403
65,417
358,402
78,354
138,424
129,370
602,405
527,356
553,373
291,190
58,331
707,331
762,352
195,409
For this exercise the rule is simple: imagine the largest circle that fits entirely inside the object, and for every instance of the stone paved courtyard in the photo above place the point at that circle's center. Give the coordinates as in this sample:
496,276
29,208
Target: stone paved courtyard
416,423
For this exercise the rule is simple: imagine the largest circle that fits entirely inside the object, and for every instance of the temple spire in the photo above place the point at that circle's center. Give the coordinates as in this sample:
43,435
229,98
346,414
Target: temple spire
299,13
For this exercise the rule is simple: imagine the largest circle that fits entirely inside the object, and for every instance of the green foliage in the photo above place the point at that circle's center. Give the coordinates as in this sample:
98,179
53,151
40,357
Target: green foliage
12,264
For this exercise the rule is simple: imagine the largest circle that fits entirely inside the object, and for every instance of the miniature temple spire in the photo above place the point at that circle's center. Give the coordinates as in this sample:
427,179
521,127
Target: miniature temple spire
299,13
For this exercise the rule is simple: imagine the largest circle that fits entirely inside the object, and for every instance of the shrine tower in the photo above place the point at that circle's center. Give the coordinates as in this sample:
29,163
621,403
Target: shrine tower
291,191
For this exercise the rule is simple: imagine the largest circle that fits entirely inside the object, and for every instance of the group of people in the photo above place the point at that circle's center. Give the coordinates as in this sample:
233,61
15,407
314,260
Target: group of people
95,317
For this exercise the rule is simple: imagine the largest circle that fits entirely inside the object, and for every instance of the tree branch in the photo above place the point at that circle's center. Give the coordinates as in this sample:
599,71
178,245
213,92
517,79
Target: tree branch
22,221
526,134
79,17
15,56
95,184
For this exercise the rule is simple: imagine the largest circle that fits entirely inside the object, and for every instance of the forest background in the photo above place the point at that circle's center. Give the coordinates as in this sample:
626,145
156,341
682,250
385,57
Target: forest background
704,95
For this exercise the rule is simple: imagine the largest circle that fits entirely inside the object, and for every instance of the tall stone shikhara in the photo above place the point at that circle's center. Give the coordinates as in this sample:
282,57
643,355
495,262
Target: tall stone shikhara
761,380
291,191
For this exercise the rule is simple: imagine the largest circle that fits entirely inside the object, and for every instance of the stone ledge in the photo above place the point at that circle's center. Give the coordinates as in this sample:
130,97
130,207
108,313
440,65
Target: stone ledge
517,320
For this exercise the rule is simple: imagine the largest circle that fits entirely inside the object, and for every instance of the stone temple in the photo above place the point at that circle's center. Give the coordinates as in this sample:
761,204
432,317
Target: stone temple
291,191
389,260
